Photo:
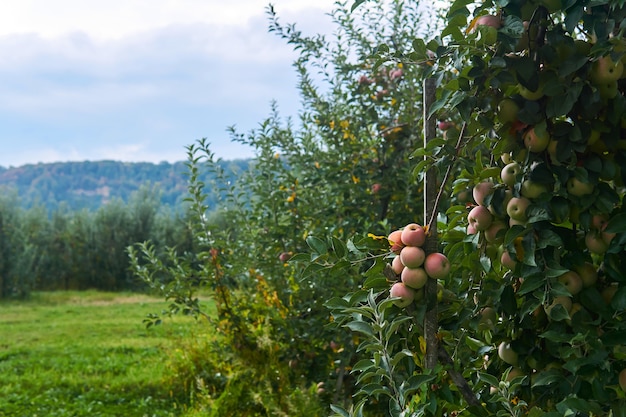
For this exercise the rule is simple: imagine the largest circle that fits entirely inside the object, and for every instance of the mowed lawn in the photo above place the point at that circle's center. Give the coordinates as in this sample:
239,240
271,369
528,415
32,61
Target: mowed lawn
87,354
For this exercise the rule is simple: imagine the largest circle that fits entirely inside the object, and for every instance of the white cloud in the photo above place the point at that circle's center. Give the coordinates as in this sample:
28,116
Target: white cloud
144,95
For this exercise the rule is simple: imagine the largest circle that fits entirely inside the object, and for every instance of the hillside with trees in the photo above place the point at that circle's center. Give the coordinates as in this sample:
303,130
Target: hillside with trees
88,185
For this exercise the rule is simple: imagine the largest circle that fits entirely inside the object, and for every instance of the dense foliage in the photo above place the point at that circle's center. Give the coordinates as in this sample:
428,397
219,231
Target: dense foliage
531,317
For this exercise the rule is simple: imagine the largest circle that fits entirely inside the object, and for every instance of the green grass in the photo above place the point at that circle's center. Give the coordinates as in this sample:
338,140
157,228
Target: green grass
87,354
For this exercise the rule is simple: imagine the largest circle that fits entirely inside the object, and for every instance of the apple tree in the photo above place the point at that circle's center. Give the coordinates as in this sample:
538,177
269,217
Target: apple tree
528,209
342,169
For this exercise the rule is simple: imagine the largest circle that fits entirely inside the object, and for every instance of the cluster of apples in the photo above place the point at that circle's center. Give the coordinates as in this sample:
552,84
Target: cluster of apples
413,264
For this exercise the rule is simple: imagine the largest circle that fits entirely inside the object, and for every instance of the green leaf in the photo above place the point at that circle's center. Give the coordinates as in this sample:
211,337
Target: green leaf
617,224
339,411
488,379
531,283
360,327
317,245
547,377
619,299
356,4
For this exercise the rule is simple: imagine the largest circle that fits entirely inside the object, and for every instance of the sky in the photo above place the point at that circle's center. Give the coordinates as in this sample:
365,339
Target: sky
139,80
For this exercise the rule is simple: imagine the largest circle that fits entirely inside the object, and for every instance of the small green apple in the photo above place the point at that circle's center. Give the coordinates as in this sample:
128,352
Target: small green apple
579,188
572,281
510,172
507,110
516,209
507,354
531,189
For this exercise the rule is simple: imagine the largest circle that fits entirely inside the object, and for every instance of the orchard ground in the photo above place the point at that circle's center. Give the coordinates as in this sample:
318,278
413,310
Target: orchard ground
89,354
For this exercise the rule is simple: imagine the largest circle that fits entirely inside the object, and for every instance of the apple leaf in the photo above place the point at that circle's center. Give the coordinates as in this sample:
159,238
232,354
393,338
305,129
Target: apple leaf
558,313
360,327
547,377
531,283
617,224
619,299
317,244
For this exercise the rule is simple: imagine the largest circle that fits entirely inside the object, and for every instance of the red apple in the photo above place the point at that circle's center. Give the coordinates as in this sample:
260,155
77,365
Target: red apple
437,265
491,234
414,278
412,256
413,235
480,217
396,265
507,261
406,294
395,240
482,190
536,140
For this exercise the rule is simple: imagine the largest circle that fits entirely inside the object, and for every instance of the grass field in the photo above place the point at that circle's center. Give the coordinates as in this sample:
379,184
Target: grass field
86,354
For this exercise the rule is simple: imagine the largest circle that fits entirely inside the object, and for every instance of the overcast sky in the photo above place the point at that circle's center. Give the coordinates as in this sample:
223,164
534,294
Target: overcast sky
138,80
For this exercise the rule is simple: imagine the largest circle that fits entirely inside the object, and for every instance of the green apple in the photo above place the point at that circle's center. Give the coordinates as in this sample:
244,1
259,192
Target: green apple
595,243
588,273
579,188
605,69
488,318
530,94
510,172
531,189
516,209
609,292
507,110
566,302
507,354
572,281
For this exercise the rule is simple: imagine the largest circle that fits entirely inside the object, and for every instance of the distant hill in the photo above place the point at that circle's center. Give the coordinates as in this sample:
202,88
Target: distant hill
88,185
